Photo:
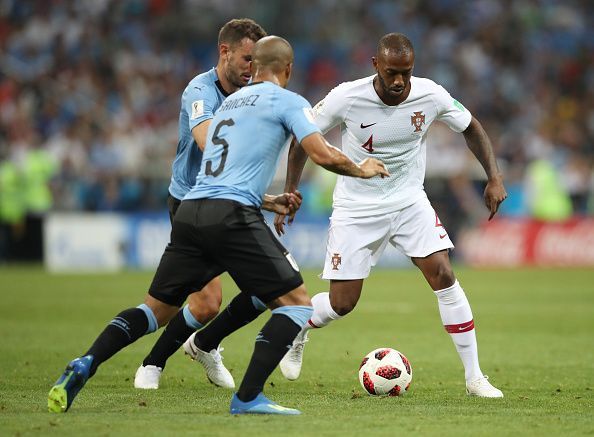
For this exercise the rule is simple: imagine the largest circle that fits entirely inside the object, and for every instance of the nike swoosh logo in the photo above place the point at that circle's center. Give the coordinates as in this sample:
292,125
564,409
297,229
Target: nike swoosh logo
443,236
462,328
364,126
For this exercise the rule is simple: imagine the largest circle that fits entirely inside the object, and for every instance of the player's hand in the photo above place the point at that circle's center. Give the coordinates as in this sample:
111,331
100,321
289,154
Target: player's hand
494,194
372,167
286,203
279,218
279,223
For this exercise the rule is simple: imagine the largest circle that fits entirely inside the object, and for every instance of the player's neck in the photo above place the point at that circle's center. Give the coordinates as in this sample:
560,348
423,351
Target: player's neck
267,76
386,98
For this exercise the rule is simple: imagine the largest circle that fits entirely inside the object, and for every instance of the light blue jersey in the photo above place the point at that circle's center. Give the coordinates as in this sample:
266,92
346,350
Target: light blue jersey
199,101
245,141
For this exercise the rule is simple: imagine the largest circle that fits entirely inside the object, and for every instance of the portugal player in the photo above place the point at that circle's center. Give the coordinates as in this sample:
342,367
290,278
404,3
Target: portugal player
387,116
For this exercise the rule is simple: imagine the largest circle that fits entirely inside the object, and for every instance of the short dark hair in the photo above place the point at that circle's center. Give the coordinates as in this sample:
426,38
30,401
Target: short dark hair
234,31
397,42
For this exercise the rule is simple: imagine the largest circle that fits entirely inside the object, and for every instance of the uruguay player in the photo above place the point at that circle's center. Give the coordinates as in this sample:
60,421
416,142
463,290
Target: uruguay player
219,227
201,98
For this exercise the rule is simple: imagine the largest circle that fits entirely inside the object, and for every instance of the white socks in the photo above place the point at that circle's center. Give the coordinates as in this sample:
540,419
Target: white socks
456,316
323,312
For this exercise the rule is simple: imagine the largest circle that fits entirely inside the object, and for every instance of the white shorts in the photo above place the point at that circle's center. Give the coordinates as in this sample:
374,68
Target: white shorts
356,243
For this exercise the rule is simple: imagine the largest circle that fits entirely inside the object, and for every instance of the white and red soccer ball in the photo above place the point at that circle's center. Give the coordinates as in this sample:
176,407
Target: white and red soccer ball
385,372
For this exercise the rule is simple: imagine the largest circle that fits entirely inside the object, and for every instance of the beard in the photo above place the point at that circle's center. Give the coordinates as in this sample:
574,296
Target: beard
387,90
235,79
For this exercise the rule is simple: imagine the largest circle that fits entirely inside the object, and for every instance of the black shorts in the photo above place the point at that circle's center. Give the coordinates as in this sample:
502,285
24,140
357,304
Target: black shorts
212,236
172,205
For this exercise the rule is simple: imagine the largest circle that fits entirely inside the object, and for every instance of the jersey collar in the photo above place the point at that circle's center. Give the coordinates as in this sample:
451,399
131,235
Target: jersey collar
221,89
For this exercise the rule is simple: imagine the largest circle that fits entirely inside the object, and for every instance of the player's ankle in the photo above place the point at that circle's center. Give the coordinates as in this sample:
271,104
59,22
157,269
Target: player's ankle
473,376
203,346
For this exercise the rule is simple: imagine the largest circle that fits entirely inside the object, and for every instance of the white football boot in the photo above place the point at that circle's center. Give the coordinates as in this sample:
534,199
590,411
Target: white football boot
147,377
482,388
291,363
212,361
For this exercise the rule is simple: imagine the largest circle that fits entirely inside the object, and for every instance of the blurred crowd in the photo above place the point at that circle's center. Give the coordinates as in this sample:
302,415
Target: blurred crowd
90,92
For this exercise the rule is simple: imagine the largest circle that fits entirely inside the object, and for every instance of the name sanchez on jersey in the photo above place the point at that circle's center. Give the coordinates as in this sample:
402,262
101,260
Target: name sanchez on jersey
239,102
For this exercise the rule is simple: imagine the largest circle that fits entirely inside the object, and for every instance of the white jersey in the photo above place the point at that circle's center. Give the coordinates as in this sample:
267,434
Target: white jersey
395,135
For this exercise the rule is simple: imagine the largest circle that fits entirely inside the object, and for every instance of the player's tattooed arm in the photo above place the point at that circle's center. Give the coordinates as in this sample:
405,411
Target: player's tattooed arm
326,155
480,145
329,157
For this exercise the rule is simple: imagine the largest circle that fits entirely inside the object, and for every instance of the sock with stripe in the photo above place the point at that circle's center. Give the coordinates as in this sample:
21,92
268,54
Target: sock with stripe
457,319
177,331
241,310
323,313
272,343
125,328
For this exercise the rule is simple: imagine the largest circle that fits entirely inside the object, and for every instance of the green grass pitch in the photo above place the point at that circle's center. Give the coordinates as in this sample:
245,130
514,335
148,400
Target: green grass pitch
536,342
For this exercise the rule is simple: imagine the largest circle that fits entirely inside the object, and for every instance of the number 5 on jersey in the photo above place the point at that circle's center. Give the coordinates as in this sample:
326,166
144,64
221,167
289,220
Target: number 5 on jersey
219,142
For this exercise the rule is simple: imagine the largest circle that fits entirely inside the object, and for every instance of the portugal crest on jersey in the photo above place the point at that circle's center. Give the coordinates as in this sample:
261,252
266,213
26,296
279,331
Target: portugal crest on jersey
417,120
336,260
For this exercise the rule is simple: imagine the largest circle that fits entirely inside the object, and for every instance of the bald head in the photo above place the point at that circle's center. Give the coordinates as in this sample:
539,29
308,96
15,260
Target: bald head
395,43
272,53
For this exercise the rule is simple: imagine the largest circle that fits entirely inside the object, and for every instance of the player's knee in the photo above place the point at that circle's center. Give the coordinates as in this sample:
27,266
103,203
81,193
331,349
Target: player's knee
204,308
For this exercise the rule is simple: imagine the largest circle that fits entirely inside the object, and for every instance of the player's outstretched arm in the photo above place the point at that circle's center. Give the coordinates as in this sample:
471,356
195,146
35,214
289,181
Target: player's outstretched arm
326,155
480,145
329,157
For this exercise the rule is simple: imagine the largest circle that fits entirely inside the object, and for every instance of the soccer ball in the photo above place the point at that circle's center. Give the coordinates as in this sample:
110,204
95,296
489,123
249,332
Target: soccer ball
385,371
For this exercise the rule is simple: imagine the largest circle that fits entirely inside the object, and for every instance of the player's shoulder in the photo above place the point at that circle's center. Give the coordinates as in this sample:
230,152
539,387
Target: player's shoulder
203,83
291,96
423,85
353,88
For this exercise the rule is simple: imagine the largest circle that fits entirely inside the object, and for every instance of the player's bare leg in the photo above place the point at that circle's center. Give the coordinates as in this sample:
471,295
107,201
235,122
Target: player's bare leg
202,307
341,300
289,314
457,318
205,304
123,330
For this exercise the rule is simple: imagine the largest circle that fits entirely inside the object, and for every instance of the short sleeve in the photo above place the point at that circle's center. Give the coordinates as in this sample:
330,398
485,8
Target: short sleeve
450,111
199,102
329,111
297,116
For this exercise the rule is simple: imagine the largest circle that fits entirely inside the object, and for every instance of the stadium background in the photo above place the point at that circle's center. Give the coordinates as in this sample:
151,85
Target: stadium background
89,103
89,100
